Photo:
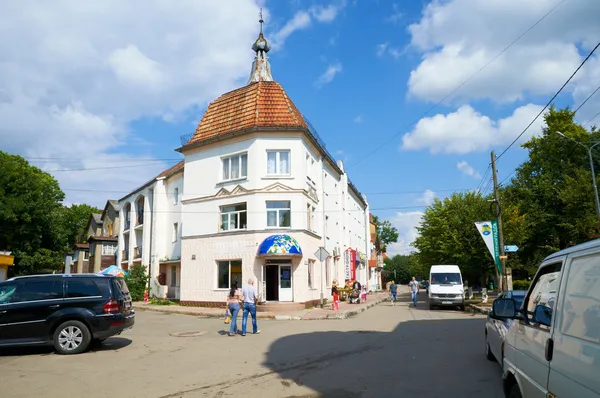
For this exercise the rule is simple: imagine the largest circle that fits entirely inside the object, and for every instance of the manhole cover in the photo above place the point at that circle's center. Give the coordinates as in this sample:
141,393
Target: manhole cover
187,334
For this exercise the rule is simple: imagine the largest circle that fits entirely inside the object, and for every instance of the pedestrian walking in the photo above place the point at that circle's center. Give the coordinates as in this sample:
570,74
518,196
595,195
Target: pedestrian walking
393,292
336,296
414,290
250,300
234,303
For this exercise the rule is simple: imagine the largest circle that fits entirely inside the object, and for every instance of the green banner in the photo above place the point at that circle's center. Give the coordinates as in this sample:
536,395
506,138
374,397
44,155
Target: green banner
496,246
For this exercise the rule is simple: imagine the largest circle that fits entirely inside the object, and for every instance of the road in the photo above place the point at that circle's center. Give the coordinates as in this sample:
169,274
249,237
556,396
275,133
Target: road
385,351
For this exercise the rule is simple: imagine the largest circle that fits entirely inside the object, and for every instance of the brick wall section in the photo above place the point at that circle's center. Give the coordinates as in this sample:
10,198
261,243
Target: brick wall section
106,261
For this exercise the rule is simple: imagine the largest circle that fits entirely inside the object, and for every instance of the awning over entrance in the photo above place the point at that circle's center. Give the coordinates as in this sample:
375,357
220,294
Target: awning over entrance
279,245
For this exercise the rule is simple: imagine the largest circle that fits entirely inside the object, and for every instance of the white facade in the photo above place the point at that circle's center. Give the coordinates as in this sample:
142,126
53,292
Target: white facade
150,231
324,211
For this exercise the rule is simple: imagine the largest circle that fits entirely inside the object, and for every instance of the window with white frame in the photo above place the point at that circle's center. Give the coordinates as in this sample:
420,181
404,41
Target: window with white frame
175,231
235,167
310,217
86,255
229,272
278,162
233,217
109,249
176,196
279,214
311,274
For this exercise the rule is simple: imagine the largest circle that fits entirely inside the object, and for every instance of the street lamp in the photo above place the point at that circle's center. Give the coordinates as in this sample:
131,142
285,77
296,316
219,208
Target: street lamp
589,150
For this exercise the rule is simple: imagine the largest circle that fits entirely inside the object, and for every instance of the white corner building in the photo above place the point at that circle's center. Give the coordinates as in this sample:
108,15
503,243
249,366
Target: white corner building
260,194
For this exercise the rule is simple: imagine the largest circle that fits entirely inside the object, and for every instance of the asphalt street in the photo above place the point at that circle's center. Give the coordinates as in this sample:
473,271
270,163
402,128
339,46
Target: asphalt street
386,351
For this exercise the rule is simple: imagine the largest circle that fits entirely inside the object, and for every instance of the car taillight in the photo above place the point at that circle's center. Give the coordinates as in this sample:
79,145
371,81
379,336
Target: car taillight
112,307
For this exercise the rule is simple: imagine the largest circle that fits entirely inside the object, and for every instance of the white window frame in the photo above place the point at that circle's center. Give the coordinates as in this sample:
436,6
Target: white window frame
109,249
310,217
236,213
175,236
86,255
176,196
311,274
278,153
277,211
229,159
228,272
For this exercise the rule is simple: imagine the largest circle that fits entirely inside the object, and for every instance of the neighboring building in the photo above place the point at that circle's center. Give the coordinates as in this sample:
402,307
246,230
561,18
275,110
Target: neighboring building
261,196
150,230
81,259
94,226
6,260
375,258
103,252
110,218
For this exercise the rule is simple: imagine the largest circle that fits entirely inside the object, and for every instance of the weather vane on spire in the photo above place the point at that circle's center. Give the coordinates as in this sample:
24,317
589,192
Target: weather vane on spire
261,19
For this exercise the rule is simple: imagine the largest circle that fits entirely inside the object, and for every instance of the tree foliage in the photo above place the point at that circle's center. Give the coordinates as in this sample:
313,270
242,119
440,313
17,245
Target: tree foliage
547,206
401,268
137,281
386,233
34,225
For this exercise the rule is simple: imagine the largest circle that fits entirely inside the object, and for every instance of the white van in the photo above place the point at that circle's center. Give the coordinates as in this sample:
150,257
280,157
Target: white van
446,287
552,348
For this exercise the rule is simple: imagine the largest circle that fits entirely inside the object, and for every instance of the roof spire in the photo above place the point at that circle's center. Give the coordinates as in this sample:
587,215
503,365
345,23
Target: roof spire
261,70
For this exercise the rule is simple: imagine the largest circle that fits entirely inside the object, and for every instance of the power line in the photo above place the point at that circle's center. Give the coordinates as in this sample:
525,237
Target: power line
549,102
462,84
587,99
589,121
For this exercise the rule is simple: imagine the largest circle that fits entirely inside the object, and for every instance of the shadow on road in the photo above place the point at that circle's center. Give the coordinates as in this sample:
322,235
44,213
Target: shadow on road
111,344
429,358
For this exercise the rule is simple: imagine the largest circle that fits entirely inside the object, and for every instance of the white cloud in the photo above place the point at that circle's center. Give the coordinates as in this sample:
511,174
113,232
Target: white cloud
396,15
381,48
300,20
466,130
457,37
467,169
329,74
406,223
325,14
358,119
427,198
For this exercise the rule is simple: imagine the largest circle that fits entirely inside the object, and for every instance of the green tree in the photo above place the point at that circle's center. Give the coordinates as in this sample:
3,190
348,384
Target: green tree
73,221
402,268
137,281
551,195
386,234
30,201
448,235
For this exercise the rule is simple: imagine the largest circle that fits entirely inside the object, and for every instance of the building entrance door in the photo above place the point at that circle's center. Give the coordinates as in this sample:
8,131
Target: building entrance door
272,282
285,283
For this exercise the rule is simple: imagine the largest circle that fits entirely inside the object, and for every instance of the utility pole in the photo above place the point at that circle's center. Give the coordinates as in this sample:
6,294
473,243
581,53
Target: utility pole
504,282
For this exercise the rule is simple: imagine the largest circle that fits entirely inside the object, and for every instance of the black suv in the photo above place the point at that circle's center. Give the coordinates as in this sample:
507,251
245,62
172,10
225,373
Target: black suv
67,311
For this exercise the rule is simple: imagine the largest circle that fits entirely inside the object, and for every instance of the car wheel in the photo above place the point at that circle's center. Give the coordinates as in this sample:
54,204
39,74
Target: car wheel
71,337
515,392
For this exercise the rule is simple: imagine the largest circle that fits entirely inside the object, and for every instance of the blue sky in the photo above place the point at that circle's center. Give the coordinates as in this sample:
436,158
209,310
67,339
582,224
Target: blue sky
363,72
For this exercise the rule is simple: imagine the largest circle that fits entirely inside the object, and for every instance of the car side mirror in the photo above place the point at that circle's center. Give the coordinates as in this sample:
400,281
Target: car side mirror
504,308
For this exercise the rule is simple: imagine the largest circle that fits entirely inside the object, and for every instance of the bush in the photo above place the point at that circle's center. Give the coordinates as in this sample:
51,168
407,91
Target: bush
521,285
137,281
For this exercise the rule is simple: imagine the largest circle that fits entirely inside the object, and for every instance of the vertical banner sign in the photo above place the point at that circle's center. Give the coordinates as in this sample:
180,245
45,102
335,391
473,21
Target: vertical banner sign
353,262
489,232
347,264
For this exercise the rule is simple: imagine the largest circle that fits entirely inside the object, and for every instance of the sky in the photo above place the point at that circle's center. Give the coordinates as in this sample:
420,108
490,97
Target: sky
411,95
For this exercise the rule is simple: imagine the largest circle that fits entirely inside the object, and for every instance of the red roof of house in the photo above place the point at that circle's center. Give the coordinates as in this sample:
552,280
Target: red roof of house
262,104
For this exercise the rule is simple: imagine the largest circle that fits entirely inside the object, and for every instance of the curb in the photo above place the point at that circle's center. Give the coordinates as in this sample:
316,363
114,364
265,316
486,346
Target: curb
198,314
351,313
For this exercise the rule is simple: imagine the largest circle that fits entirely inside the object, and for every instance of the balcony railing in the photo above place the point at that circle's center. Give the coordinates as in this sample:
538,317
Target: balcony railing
125,255
137,252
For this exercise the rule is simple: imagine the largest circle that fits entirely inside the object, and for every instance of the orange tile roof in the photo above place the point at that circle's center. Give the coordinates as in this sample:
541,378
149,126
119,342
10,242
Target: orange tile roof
259,104
172,170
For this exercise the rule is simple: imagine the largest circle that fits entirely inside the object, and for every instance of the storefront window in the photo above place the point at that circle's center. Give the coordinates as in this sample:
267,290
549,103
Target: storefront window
229,272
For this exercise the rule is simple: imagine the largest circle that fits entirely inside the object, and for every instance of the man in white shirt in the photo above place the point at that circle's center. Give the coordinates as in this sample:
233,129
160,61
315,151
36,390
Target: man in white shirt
250,300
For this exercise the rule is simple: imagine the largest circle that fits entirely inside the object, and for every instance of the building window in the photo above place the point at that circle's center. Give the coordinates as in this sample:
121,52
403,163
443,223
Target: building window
310,217
176,196
173,275
229,272
109,249
109,229
234,217
279,214
278,162
86,255
92,249
311,274
235,167
175,231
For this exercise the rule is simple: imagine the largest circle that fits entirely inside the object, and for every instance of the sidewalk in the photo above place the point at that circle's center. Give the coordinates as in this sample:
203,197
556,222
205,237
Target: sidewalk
346,310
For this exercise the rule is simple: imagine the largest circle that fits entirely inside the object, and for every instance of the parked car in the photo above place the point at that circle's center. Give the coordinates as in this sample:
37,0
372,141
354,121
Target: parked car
67,311
495,329
552,346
